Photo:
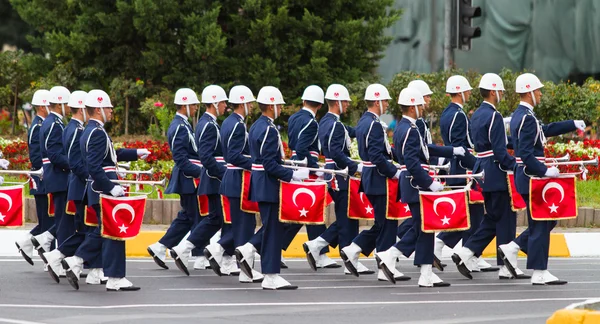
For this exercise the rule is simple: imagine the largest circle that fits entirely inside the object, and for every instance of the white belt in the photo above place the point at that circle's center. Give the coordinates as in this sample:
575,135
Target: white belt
46,161
233,167
220,159
196,162
258,167
314,154
370,164
539,158
485,154
329,161
109,169
424,166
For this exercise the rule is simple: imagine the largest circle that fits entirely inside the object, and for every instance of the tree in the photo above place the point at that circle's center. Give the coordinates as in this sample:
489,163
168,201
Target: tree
12,28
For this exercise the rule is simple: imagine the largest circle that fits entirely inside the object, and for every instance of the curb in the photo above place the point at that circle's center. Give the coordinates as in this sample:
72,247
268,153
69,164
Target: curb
580,313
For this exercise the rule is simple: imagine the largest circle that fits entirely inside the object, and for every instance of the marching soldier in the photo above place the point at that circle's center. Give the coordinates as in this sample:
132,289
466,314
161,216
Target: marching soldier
266,150
101,163
490,143
529,138
234,142
77,182
303,133
376,154
187,167
208,140
412,151
40,100
454,127
335,139
56,170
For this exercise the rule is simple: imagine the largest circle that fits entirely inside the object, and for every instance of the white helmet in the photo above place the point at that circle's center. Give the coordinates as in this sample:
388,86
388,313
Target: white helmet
241,94
77,99
491,81
59,95
41,98
186,96
527,82
314,93
377,91
411,97
421,86
98,99
457,84
337,92
213,94
270,96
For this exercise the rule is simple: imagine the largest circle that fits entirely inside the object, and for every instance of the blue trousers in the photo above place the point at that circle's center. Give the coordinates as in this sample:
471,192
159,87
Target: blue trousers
187,218
404,227
476,212
423,241
73,242
111,252
64,224
382,235
41,210
343,230
313,232
272,237
535,240
210,224
242,227
499,221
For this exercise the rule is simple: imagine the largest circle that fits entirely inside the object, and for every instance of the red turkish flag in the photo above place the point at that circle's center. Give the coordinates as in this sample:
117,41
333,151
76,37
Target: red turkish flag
302,202
12,213
359,206
122,216
50,205
71,209
476,193
516,200
127,189
445,211
225,208
553,198
314,178
90,218
396,210
247,205
202,200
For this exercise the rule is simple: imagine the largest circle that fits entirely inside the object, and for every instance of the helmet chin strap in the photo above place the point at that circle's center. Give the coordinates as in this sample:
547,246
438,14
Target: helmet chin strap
84,116
341,107
533,98
217,109
63,110
103,114
275,111
497,97
246,109
462,94
380,108
187,109
417,111
47,110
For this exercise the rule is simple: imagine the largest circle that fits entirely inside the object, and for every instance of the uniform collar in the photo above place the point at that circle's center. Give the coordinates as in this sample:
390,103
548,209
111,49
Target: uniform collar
309,110
241,117
334,115
77,120
410,119
214,118
374,115
184,117
97,121
57,114
487,102
526,104
460,105
40,117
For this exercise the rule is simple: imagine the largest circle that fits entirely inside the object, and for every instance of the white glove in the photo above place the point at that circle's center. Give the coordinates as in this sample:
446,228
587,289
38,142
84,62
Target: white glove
360,167
397,175
580,124
143,153
4,164
300,175
121,172
319,174
441,161
459,151
507,120
1,180
552,172
436,186
117,191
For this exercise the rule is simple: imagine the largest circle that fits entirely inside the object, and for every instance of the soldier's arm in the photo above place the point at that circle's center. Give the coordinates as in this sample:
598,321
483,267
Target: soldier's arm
54,147
305,139
206,148
178,146
377,152
559,128
527,136
498,141
336,142
235,148
270,155
95,151
75,158
411,149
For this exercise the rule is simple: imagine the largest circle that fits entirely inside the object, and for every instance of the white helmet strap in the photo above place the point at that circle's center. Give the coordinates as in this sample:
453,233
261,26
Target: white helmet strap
533,98
47,110
417,112
187,108
497,97
380,108
246,109
103,114
84,117
216,108
275,111
63,109
462,94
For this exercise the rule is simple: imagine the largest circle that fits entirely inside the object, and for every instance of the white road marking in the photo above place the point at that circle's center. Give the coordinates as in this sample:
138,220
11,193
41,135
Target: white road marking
13,321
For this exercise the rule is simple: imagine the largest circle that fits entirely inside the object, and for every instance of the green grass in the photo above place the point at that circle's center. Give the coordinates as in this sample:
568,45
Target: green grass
588,193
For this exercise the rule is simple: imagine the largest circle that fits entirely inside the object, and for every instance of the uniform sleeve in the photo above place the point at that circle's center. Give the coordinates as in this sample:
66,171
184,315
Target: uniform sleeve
441,151
126,154
336,142
235,148
96,149
559,128
377,152
351,131
410,151
498,141
33,142
179,144
206,149
270,155
54,147
305,139
75,158
527,136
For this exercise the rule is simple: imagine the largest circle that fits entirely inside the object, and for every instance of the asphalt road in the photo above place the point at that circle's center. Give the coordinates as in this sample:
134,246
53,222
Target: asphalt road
28,296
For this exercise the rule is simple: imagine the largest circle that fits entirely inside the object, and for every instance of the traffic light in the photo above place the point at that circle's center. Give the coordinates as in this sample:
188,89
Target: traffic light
465,31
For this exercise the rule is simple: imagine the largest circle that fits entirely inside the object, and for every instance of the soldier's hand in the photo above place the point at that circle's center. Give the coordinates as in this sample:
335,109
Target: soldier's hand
459,151
143,153
397,175
552,172
360,167
1,180
436,186
580,124
117,191
4,164
300,174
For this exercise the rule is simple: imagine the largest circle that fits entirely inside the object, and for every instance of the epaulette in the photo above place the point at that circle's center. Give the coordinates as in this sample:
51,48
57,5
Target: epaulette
413,126
80,127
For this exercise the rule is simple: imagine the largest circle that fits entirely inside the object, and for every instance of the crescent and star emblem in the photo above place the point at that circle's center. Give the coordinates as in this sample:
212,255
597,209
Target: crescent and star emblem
557,186
123,228
445,220
368,208
297,192
9,201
